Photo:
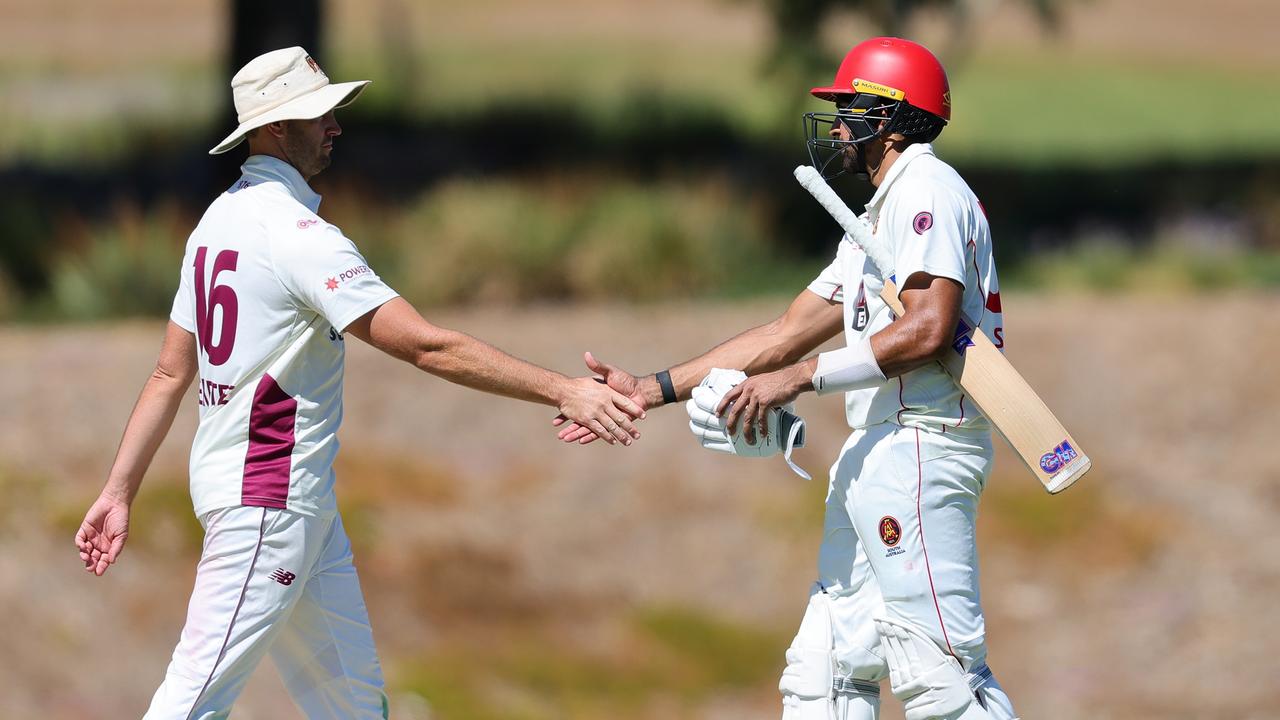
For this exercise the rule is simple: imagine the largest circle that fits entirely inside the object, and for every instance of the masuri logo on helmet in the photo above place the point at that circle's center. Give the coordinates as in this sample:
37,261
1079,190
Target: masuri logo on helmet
866,86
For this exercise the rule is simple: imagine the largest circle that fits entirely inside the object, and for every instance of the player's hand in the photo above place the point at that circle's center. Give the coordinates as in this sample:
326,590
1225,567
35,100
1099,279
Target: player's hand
620,380
749,401
102,533
603,411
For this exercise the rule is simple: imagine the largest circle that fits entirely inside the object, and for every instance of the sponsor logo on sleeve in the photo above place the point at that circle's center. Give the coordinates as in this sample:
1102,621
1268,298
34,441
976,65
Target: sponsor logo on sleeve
923,221
1058,458
305,223
334,283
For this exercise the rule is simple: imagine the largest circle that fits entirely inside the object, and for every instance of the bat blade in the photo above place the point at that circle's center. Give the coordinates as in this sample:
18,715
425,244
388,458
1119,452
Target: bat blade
1010,403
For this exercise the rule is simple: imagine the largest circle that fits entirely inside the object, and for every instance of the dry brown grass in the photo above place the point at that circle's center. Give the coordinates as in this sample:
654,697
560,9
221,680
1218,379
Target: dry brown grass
508,576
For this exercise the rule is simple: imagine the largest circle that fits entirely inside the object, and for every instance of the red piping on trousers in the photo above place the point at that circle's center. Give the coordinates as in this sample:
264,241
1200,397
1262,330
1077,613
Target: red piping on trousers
920,523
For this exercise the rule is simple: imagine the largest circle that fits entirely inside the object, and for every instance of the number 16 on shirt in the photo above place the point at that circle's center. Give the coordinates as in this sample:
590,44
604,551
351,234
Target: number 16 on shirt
982,370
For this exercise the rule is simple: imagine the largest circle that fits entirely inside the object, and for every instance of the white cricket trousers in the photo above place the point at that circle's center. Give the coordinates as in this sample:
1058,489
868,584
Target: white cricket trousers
280,582
899,540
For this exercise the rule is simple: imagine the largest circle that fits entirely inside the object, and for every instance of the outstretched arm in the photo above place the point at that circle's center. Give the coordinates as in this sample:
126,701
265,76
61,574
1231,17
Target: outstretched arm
931,307
809,321
397,329
105,527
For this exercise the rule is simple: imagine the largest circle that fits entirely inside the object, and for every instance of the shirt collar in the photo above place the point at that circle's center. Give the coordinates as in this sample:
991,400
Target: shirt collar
912,152
265,168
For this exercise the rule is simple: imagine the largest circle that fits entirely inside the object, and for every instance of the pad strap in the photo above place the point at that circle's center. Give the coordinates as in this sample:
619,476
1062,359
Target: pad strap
853,686
978,677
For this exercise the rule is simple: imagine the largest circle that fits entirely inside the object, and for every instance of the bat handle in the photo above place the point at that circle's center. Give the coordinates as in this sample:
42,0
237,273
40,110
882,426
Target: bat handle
857,229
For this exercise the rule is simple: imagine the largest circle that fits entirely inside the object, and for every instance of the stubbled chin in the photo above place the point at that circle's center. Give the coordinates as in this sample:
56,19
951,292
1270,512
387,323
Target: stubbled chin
850,159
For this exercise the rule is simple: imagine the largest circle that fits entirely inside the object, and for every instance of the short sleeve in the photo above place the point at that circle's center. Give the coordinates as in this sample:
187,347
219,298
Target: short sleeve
183,313
324,271
829,285
931,228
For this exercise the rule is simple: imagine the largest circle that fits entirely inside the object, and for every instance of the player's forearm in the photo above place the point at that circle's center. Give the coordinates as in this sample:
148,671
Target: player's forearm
469,361
761,349
911,341
148,424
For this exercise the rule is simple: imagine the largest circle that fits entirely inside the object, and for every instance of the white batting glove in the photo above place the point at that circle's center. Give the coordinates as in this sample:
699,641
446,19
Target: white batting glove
786,429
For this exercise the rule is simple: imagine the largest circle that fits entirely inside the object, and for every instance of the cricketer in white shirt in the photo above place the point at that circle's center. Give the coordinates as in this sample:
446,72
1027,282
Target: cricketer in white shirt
268,287
267,290
933,223
899,528
899,531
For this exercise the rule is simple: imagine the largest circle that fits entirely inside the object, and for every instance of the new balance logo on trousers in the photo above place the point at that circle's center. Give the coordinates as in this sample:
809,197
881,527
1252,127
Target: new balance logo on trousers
282,576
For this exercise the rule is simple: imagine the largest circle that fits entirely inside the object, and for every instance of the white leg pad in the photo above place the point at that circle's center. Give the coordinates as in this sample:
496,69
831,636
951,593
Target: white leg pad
814,686
930,683
806,683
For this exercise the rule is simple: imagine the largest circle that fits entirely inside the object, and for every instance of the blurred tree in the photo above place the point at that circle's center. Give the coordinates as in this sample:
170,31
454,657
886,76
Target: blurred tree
797,24
257,27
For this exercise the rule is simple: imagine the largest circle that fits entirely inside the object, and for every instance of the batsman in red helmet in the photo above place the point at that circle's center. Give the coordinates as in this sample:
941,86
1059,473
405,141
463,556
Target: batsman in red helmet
897,591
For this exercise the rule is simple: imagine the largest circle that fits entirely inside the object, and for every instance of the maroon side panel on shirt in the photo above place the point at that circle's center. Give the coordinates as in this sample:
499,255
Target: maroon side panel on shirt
266,465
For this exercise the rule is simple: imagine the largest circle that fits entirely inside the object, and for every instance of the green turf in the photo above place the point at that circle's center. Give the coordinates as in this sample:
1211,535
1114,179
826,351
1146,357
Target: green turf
1046,110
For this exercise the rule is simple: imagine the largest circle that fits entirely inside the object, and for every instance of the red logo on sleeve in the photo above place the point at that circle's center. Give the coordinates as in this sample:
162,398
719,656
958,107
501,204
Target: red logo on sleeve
331,284
923,222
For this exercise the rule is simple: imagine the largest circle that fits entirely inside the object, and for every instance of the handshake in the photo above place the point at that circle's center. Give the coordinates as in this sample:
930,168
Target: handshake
776,427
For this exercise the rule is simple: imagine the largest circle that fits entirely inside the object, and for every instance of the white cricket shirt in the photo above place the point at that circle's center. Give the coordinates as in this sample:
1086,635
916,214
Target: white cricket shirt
932,223
267,287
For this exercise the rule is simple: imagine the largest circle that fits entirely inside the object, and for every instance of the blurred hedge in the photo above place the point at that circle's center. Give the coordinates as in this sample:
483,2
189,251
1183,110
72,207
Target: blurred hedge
501,241
509,241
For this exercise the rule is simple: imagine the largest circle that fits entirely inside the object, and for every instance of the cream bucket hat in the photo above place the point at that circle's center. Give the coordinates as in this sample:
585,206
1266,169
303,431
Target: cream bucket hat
283,85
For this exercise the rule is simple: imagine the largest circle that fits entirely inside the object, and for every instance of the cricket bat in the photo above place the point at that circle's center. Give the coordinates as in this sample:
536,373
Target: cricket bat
980,369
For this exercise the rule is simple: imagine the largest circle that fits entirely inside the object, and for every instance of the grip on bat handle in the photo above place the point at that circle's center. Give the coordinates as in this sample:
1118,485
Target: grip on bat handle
812,181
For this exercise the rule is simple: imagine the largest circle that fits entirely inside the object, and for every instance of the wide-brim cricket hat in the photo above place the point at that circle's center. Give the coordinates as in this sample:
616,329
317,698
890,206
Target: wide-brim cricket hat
283,85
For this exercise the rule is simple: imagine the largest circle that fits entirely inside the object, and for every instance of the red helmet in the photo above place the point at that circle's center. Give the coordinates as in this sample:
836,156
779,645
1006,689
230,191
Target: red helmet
896,69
